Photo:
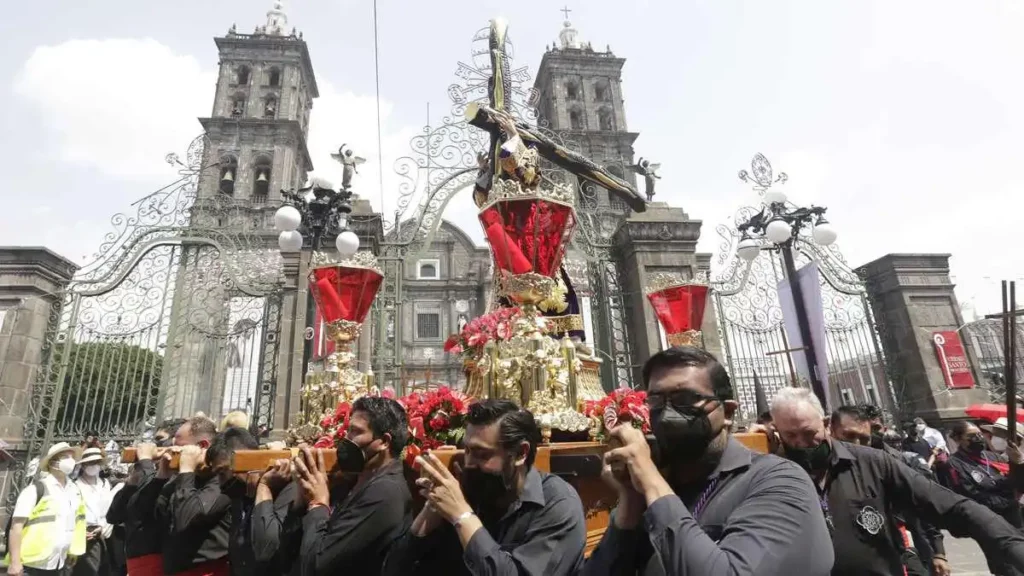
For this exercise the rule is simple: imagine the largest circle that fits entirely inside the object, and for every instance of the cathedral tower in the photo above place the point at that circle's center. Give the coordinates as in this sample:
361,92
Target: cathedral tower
260,120
581,98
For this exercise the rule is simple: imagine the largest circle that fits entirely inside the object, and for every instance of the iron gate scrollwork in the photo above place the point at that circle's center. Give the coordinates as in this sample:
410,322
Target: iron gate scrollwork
750,319
178,312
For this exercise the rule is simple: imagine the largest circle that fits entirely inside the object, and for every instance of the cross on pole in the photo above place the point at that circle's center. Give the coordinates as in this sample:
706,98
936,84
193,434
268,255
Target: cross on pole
565,11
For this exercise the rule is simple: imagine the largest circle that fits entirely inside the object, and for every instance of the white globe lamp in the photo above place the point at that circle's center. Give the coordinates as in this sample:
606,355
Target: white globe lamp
823,233
748,249
774,196
778,231
287,219
347,244
289,241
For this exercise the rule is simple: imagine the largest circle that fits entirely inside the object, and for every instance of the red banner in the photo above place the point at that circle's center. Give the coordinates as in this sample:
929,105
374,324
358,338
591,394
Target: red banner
956,369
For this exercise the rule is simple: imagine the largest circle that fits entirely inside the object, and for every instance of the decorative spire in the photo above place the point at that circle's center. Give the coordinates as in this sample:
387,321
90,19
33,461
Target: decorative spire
277,20
568,36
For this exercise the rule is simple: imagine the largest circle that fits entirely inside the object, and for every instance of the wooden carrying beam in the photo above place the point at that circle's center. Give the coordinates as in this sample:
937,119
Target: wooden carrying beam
253,460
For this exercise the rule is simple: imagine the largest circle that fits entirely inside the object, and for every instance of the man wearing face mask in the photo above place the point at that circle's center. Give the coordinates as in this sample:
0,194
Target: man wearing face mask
96,495
915,443
48,527
862,488
934,438
980,476
923,544
354,536
142,531
705,505
497,515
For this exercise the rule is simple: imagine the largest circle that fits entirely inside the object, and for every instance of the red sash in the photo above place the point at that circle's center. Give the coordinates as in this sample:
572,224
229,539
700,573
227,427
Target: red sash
148,565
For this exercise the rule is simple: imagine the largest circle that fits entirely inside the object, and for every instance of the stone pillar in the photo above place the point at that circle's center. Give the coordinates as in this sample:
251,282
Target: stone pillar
290,348
912,297
662,239
32,281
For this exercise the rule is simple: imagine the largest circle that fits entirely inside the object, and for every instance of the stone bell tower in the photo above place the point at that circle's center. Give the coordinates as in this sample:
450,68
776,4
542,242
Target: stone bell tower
581,98
220,357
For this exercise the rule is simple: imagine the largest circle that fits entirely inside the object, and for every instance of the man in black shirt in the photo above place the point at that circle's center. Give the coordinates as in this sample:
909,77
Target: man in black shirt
277,519
714,507
500,516
207,506
142,532
922,543
354,536
863,487
915,443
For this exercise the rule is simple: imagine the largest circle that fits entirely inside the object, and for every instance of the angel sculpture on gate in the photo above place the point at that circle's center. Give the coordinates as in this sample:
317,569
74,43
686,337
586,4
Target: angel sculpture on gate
649,171
349,160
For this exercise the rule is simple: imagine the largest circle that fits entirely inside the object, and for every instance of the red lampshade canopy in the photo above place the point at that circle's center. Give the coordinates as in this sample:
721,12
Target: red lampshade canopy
680,308
528,235
344,292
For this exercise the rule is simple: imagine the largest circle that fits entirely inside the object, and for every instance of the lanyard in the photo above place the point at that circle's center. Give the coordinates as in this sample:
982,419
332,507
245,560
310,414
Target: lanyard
705,497
823,502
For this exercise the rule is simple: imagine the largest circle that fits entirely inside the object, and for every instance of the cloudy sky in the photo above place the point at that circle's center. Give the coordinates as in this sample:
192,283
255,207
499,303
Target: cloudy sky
904,118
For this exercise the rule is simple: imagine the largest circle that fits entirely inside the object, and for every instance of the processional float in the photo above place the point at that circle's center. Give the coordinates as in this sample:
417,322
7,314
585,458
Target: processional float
516,351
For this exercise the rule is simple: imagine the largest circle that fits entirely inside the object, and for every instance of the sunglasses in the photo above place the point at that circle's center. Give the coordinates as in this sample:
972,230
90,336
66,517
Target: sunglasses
678,399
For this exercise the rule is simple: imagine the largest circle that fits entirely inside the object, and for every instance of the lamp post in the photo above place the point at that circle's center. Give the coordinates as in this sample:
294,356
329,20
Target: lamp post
781,224
317,210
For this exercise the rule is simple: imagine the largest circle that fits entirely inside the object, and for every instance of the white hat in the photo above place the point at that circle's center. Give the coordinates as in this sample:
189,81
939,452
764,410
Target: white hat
55,450
92,456
1001,428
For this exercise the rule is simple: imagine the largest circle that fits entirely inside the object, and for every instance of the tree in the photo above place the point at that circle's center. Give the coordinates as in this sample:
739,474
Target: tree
107,386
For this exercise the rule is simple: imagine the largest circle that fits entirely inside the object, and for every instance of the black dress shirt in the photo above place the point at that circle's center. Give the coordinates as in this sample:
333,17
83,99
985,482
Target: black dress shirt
865,487
762,516
277,531
983,483
918,446
200,522
543,533
355,537
142,532
928,539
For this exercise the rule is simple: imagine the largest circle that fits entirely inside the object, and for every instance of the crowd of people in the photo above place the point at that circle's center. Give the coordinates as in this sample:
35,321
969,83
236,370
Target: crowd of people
837,493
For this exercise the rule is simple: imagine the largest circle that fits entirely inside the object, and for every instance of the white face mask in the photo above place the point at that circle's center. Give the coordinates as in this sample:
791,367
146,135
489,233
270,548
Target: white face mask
66,465
998,444
91,471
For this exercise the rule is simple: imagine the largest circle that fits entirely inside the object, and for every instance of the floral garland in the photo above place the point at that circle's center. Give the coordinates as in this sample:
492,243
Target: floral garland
335,425
498,325
436,418
618,407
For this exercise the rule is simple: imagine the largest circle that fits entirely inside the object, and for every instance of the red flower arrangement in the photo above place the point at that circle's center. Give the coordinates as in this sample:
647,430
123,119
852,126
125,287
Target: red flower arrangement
436,418
494,326
621,406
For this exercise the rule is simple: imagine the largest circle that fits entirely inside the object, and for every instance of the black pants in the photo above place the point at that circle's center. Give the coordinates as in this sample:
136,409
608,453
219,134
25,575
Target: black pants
37,572
95,561
915,567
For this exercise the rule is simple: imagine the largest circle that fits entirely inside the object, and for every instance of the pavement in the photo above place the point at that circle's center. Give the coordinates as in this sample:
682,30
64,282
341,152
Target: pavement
965,557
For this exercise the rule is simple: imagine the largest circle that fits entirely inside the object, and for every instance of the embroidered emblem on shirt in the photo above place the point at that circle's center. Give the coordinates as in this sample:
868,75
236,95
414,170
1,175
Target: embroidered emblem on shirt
870,520
978,476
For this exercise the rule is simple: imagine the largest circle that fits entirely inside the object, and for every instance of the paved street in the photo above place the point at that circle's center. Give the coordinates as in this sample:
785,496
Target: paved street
965,558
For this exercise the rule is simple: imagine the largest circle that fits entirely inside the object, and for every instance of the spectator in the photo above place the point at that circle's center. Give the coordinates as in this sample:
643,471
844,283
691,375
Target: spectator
96,494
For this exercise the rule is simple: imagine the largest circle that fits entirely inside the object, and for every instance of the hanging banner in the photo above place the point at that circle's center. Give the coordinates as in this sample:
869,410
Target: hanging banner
810,284
953,359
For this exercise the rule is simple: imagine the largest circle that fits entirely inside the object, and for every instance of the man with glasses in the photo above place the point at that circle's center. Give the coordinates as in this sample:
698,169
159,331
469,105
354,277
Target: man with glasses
698,501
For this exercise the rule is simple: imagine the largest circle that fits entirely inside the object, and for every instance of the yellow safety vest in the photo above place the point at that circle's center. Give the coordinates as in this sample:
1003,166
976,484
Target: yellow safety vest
39,536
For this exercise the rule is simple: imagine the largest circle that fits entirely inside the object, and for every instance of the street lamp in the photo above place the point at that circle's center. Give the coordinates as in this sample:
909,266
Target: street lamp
781,224
318,210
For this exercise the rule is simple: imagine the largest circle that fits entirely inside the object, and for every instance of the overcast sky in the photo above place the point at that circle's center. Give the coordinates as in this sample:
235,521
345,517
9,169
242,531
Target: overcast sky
903,118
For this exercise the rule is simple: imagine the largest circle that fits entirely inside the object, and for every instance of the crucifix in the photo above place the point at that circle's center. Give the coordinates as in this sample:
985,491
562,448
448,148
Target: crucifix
566,12
494,117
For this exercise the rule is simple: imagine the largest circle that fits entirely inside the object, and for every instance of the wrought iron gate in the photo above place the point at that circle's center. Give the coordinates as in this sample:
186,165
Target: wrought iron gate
178,312
751,326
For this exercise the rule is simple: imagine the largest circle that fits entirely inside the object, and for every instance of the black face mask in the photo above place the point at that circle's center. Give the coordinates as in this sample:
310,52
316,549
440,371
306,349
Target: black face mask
811,459
683,434
350,456
877,440
484,489
976,445
164,442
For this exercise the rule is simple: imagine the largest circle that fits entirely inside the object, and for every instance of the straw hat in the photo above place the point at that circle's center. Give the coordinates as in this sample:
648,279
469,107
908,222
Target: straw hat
1001,429
54,451
92,456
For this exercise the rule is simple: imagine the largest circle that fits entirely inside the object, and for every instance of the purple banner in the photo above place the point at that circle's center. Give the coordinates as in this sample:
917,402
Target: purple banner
810,283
